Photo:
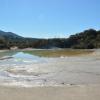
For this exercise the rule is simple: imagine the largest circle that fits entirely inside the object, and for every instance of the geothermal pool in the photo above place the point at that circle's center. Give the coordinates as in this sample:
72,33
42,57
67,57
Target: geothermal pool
29,70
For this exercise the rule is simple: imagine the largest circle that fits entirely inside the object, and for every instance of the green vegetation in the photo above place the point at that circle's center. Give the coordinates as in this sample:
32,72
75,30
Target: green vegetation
88,39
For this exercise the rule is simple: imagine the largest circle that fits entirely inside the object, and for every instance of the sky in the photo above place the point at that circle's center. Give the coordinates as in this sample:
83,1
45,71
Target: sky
49,18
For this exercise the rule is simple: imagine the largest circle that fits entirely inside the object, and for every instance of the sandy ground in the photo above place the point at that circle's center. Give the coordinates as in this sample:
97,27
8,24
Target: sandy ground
67,92
51,93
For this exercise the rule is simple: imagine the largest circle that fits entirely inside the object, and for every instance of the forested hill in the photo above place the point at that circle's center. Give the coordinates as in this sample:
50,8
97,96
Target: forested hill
87,39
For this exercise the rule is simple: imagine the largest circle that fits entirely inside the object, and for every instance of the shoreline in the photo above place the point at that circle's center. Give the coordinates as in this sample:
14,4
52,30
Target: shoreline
1,50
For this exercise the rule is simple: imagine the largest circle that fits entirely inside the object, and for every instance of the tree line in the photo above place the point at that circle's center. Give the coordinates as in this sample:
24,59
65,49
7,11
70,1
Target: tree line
87,39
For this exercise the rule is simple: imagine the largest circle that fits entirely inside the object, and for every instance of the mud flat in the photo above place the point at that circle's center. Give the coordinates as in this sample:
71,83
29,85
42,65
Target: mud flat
64,78
51,93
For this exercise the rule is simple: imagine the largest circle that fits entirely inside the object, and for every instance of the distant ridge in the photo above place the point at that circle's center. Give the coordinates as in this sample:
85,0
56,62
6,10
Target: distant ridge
9,34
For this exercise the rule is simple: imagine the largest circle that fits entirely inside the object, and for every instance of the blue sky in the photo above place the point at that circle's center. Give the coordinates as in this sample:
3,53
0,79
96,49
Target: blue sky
49,18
